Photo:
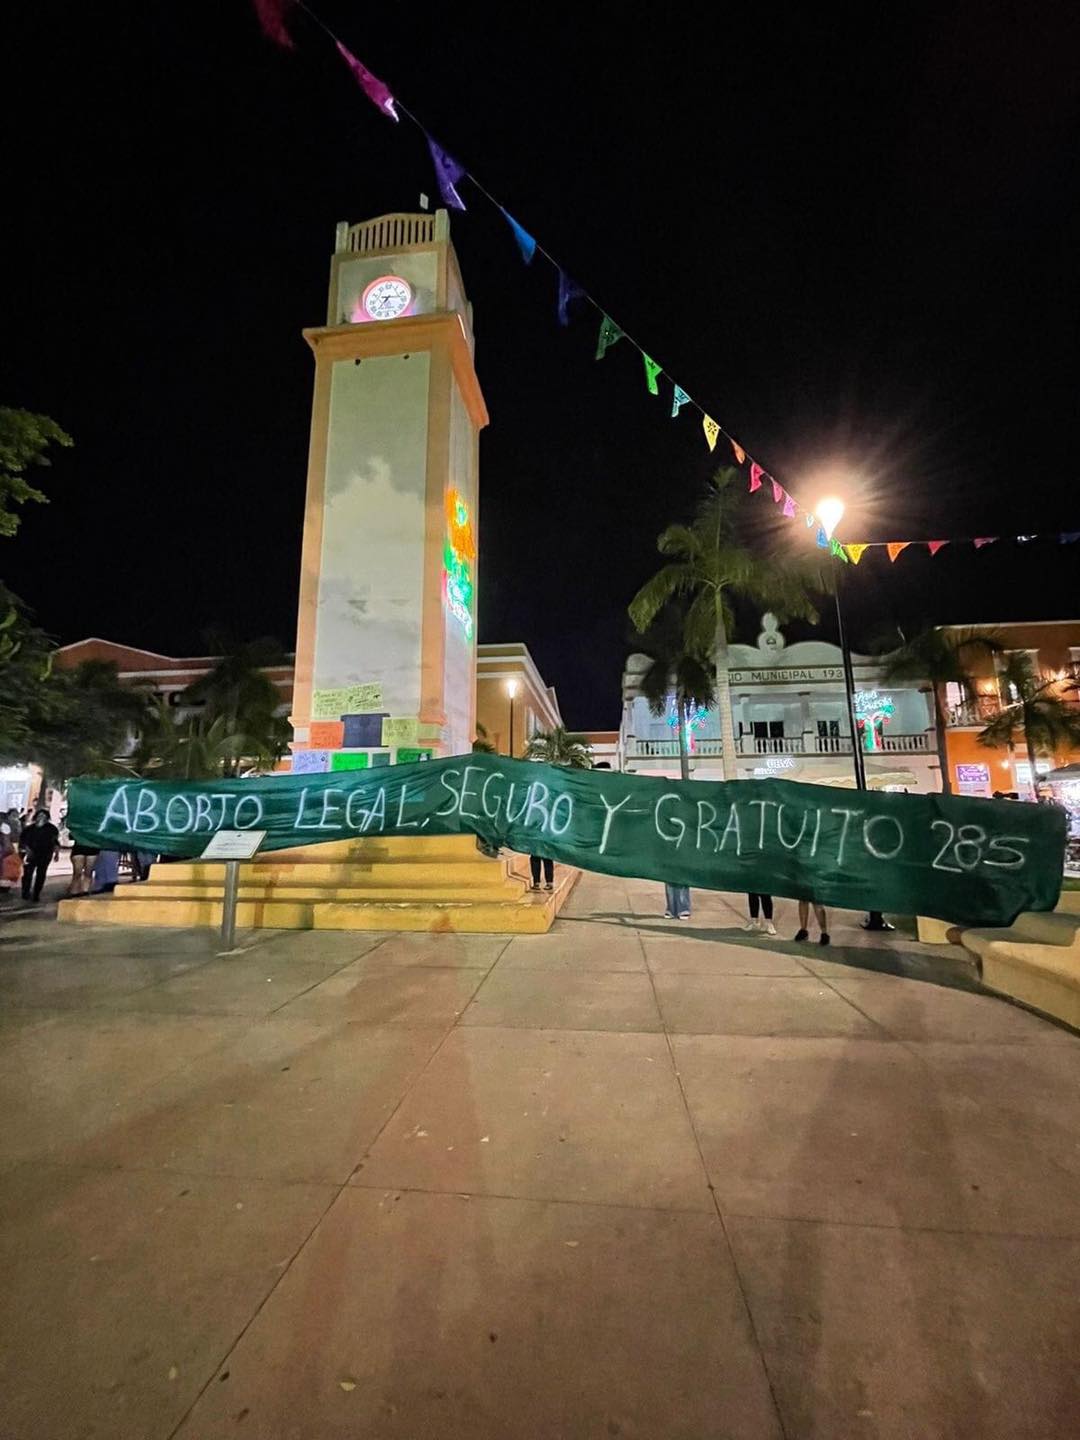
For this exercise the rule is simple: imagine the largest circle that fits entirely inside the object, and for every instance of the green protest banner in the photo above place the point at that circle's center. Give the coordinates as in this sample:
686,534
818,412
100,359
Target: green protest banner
953,857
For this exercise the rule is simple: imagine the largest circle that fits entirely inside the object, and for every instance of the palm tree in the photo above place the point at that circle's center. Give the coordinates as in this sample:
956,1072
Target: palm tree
239,692
937,658
195,748
1034,712
675,667
482,744
710,565
559,746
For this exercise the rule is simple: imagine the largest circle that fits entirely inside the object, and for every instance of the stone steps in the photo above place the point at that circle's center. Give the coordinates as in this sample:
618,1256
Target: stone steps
1036,959
401,883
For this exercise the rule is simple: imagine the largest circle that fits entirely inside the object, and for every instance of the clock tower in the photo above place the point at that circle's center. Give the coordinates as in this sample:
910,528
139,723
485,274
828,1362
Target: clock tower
386,632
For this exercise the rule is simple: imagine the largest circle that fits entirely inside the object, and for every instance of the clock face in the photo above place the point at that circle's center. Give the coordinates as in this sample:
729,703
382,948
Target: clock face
386,298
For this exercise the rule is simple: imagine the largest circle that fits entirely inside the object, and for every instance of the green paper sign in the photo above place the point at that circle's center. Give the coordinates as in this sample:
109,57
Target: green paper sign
348,760
406,755
954,857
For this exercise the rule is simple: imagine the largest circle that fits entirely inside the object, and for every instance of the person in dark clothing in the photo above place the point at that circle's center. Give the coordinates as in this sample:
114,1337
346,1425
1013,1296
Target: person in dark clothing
549,871
38,843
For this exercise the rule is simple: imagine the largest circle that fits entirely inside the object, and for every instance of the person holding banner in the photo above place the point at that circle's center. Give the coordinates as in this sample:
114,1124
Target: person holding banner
678,902
765,925
804,919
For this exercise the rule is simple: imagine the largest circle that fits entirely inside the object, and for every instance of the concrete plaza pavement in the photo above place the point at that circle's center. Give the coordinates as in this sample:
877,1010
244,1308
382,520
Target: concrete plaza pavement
633,1178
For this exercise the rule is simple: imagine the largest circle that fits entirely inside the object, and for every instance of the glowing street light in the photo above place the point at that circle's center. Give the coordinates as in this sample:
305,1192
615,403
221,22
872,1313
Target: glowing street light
830,512
511,690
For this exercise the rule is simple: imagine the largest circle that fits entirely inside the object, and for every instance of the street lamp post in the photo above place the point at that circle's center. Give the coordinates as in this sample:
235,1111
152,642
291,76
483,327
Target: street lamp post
830,512
511,690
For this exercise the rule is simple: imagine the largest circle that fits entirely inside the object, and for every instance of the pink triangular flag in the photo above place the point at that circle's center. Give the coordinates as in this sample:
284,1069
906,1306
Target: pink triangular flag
756,473
777,492
984,540
789,506
935,545
371,85
272,16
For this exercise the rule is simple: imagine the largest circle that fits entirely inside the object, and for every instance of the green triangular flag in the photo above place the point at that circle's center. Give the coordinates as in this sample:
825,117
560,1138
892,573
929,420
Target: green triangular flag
838,549
609,333
652,370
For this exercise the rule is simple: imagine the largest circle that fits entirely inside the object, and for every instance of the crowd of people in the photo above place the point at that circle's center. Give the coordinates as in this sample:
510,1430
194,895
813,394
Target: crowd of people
30,843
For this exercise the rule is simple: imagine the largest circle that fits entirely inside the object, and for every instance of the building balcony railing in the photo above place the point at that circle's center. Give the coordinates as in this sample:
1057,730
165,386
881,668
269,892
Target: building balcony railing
979,711
754,745
983,708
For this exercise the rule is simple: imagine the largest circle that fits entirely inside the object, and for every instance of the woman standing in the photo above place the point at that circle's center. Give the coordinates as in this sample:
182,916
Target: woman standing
762,903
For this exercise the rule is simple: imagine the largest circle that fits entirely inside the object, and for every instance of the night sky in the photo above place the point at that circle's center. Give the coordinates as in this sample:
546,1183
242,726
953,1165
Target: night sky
850,233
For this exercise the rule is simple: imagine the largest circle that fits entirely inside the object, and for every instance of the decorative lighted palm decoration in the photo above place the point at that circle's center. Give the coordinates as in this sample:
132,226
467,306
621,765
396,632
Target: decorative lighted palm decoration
872,711
694,721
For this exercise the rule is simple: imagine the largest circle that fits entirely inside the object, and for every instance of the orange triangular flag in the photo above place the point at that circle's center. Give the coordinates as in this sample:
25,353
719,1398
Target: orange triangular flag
712,430
855,551
895,546
935,545
740,453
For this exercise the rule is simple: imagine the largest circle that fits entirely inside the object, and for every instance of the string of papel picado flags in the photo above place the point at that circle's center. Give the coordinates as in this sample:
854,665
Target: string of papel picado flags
274,17
854,551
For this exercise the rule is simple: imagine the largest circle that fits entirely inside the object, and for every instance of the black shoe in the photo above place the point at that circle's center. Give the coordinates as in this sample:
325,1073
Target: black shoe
549,886
535,886
802,935
823,939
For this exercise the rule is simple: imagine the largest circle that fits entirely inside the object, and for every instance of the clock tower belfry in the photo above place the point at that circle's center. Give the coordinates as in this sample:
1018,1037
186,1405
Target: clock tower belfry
386,631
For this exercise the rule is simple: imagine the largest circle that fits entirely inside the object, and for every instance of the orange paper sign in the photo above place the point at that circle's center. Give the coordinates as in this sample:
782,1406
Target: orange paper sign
327,734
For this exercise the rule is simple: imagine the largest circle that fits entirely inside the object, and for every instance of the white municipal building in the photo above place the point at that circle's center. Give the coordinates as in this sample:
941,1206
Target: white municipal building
791,720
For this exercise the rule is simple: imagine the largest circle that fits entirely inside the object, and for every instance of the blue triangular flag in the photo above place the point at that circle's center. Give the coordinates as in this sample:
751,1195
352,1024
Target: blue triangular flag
1068,536
567,291
822,539
526,243
447,172
678,400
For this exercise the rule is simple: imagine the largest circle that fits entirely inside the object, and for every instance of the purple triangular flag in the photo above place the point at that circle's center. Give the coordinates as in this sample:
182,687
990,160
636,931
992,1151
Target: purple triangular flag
371,85
567,291
447,172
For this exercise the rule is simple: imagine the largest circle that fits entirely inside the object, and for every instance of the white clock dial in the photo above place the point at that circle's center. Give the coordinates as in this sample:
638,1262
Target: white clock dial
387,298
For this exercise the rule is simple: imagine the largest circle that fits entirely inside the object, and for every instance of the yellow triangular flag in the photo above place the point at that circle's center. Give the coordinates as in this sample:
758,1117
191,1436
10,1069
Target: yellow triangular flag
855,551
712,430
896,546
740,453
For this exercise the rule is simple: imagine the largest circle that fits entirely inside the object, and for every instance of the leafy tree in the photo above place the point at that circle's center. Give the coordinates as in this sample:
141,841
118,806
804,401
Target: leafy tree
83,721
24,442
70,722
673,666
709,567
1035,713
936,658
559,746
26,656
